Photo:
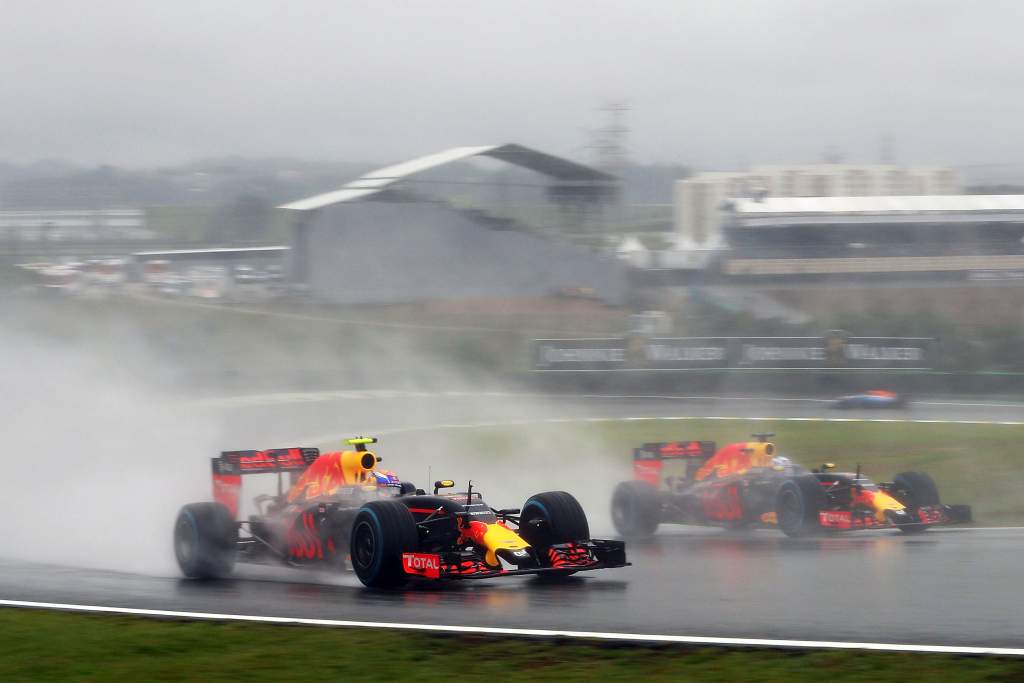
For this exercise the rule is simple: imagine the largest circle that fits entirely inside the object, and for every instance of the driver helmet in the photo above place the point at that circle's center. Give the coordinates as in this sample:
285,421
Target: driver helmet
386,479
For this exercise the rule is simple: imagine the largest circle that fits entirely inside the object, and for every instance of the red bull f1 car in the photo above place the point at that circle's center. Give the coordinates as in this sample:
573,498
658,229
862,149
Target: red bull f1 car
340,510
748,484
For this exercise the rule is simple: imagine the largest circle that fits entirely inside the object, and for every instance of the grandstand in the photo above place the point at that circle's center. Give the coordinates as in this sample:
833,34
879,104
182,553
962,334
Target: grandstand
947,236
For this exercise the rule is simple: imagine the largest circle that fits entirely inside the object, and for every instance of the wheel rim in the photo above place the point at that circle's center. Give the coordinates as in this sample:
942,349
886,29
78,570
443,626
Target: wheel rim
538,535
363,546
908,497
789,510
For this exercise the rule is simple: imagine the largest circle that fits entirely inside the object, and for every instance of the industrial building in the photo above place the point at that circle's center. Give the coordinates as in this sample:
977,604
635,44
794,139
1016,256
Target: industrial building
388,237
82,225
978,237
699,199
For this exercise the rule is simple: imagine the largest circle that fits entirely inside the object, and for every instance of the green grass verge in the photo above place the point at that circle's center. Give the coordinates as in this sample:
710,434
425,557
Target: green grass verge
980,465
48,646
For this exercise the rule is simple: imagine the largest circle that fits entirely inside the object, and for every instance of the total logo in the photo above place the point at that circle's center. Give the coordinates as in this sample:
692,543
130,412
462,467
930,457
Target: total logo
839,518
422,564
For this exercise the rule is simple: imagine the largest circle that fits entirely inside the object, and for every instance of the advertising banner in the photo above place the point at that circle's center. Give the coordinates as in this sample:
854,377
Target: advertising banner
888,352
687,352
780,352
580,354
833,351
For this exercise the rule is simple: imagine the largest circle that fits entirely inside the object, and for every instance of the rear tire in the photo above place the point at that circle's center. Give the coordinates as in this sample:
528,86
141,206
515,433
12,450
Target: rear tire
205,540
797,504
636,509
915,489
382,531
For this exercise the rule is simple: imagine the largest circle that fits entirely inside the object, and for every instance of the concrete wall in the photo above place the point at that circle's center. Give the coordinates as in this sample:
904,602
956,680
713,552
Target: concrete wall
387,252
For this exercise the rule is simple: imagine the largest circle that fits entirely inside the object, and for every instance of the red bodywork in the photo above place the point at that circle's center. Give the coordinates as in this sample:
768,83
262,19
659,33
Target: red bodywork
721,502
563,557
231,465
866,519
295,522
648,461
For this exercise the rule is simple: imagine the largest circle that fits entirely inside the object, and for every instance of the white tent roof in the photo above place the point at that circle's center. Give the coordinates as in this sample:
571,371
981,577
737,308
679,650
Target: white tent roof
376,181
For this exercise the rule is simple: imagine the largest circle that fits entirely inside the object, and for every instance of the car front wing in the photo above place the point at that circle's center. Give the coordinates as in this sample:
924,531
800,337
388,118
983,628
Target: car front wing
562,558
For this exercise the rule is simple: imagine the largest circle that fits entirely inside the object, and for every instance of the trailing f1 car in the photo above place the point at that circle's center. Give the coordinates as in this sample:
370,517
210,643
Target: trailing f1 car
748,484
874,399
340,509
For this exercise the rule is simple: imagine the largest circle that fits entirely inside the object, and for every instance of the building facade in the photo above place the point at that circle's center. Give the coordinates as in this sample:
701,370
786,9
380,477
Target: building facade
974,237
699,200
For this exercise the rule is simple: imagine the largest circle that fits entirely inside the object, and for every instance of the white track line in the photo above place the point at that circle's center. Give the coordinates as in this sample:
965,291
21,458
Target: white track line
530,633
944,530
364,394
329,438
642,418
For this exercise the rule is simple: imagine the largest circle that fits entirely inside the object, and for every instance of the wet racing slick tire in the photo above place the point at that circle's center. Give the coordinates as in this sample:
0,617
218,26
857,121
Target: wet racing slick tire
797,504
550,518
553,517
636,509
915,489
205,540
382,531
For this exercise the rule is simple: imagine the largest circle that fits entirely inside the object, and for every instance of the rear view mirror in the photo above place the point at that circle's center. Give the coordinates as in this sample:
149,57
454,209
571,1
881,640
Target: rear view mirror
443,484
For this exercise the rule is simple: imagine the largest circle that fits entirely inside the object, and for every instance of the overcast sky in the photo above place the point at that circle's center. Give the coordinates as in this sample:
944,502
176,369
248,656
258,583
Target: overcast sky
714,83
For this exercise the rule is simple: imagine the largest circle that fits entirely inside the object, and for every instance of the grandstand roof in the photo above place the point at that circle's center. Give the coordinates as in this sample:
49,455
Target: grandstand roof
234,251
373,182
889,209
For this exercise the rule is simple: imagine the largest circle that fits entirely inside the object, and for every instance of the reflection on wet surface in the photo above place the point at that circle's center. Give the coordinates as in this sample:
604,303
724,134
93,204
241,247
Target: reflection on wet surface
936,588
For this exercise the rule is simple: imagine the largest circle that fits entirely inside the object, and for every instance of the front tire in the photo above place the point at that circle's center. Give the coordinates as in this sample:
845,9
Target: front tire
383,530
205,541
550,518
797,504
914,490
917,489
553,517
636,509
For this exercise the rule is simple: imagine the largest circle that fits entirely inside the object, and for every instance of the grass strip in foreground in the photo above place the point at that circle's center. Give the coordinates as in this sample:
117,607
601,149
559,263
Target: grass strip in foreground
40,645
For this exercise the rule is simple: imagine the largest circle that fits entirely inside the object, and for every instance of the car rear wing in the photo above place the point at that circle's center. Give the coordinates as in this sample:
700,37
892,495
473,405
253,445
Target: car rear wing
649,459
231,465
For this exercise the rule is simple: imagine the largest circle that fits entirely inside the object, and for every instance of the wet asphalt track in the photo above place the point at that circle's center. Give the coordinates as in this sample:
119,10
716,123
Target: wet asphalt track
948,587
